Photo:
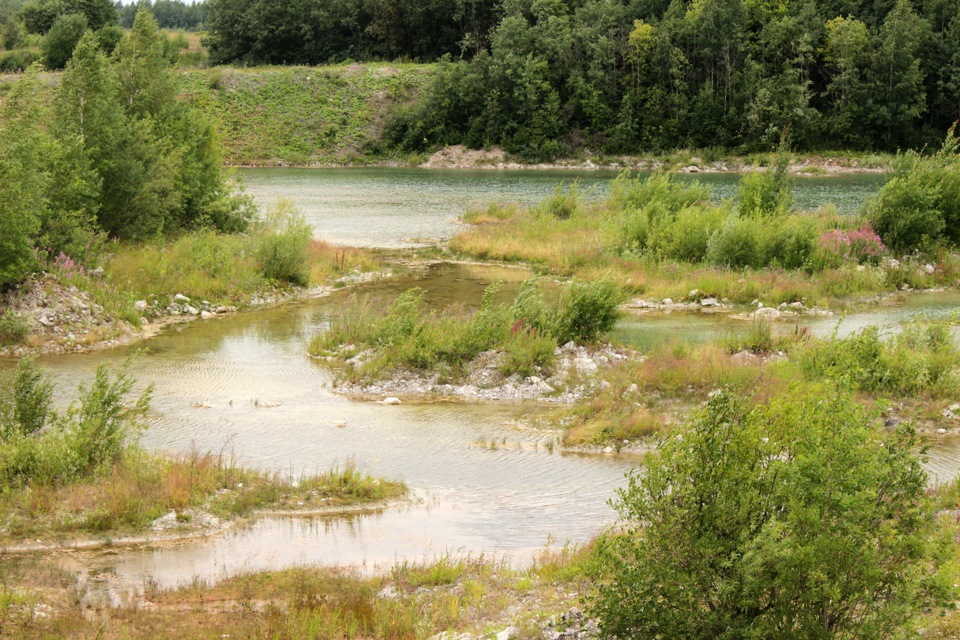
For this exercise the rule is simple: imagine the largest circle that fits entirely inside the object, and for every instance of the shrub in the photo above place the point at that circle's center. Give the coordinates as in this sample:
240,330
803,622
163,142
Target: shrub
736,244
767,193
921,359
795,518
60,41
282,249
562,204
687,235
586,310
661,189
13,328
792,243
920,205
32,395
17,61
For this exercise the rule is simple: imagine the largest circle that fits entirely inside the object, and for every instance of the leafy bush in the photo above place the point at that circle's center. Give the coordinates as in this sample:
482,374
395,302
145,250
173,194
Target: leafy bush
736,244
792,243
13,328
920,205
766,193
282,249
921,359
62,39
687,235
585,311
661,189
18,60
562,204
795,517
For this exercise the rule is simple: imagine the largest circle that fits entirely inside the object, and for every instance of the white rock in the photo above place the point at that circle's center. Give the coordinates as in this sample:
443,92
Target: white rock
191,310
140,305
954,407
180,298
928,269
388,593
633,388
206,315
941,431
608,450
45,321
708,302
507,633
766,312
667,301
390,400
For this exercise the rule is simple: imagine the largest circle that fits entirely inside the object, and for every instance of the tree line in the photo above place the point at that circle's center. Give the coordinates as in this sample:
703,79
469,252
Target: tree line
114,154
544,77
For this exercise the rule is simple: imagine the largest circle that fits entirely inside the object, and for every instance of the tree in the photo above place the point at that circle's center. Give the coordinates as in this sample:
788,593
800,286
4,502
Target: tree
60,41
796,518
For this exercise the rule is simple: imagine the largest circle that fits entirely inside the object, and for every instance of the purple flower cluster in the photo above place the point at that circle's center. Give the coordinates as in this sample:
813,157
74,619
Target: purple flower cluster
860,245
66,265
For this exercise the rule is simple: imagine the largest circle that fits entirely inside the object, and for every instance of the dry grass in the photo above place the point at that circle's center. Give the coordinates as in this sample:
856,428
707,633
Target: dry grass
473,595
141,487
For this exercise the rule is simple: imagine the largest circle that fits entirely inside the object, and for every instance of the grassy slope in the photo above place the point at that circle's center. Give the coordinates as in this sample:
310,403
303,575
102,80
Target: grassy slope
302,115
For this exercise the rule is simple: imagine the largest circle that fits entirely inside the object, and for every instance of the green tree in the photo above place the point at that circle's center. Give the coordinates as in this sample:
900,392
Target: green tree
60,41
796,518
12,34
23,176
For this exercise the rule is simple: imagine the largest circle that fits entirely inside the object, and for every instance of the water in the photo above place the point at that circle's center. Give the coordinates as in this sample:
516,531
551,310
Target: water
390,207
468,497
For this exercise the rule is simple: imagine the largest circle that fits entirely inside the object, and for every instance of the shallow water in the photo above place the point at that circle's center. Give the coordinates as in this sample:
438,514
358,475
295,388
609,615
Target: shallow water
394,207
469,497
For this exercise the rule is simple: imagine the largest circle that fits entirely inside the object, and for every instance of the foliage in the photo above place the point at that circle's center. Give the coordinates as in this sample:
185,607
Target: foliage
922,359
527,332
859,245
40,447
796,516
13,328
283,237
60,41
919,207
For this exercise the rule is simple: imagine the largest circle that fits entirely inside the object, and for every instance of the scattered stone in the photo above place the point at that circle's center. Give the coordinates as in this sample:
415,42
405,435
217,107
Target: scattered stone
206,315
693,295
191,310
140,305
708,302
666,301
608,450
181,299
388,593
508,633
928,269
767,313
45,321
225,309
905,287
941,431
266,404
954,407
390,400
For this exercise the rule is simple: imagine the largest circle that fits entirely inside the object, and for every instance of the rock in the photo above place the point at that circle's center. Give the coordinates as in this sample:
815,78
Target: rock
508,633
181,299
569,347
905,287
928,269
766,313
941,431
266,404
893,264
206,315
225,309
796,305
390,400
708,302
691,169
388,593
633,388
954,407
45,321
861,267
191,310
608,450
97,273
667,301
693,294
140,305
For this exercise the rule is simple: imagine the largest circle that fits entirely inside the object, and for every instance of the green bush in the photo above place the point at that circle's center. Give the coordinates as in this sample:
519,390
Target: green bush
687,235
13,328
921,359
62,39
17,61
661,188
919,206
585,311
792,242
737,244
763,194
282,247
562,204
795,518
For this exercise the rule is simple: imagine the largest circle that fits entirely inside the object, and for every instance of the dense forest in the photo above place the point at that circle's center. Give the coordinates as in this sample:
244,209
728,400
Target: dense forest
545,77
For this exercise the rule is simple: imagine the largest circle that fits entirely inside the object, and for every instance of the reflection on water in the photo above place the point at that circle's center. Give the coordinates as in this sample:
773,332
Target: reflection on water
394,207
473,499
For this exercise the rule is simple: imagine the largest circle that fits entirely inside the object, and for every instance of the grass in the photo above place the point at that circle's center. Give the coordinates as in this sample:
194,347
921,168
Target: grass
126,497
413,600
524,335
663,239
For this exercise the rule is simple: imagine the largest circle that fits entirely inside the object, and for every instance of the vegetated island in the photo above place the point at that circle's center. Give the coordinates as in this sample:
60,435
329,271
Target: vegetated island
78,477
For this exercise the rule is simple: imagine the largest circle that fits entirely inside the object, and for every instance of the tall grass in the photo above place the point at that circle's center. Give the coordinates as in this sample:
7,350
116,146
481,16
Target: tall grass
526,333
